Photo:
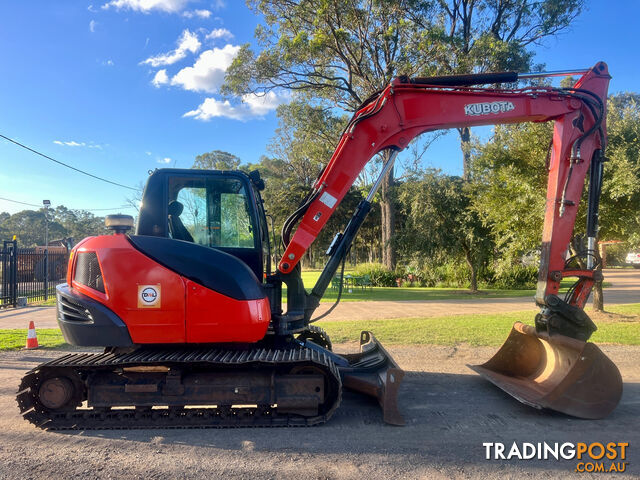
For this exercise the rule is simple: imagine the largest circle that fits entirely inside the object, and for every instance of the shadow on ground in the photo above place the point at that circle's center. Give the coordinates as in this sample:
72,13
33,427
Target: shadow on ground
449,416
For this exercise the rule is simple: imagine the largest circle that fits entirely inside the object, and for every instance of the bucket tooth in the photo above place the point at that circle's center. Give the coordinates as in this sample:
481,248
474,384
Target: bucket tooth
373,372
554,372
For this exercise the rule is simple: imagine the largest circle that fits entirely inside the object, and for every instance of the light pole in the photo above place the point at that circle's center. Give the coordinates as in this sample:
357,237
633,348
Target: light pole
47,204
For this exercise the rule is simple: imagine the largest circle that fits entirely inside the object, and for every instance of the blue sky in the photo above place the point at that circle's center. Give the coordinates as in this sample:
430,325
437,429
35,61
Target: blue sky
120,87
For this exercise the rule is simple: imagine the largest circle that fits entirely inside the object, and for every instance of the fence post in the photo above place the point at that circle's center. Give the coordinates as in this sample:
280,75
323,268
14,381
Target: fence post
13,273
46,272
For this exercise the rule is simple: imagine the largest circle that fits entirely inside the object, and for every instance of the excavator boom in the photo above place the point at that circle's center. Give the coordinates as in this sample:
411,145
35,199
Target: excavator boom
409,107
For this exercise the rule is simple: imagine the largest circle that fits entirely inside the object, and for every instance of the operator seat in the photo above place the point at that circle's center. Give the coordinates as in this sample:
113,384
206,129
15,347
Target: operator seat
176,227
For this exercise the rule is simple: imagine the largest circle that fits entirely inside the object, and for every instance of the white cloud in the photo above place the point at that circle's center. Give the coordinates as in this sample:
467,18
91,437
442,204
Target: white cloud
160,78
92,26
219,33
211,108
260,105
188,42
252,106
148,153
196,13
164,160
145,6
219,4
107,63
72,143
207,73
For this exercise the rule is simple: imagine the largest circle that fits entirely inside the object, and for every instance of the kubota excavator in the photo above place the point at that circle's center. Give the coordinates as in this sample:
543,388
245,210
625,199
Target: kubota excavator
191,316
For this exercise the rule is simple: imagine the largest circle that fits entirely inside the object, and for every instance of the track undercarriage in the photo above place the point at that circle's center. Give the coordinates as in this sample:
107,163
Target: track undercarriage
204,387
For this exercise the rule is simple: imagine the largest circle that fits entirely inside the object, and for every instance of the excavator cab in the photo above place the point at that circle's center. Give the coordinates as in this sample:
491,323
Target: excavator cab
212,208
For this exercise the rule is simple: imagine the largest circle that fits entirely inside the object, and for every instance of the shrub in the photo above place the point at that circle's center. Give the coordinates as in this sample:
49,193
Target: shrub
451,274
516,277
380,275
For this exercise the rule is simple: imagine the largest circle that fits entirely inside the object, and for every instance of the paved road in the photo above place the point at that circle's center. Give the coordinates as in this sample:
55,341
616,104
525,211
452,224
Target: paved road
449,411
625,288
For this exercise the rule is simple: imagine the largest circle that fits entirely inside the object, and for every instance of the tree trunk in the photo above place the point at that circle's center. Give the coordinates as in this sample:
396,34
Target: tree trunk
474,274
465,146
598,297
387,208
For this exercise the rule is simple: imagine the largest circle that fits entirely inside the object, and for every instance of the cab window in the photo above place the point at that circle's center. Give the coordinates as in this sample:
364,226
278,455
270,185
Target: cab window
215,211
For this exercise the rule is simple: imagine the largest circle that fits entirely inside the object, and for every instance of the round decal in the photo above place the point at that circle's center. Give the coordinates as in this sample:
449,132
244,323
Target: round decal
149,295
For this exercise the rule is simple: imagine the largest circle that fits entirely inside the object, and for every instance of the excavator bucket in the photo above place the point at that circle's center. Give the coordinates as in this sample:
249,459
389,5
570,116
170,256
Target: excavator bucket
555,372
373,372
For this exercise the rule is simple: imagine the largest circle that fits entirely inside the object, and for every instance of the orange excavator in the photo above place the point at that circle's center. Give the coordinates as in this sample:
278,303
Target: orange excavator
189,309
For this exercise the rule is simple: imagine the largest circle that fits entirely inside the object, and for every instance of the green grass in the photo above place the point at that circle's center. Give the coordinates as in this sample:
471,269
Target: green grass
418,293
51,302
310,277
628,309
475,330
16,339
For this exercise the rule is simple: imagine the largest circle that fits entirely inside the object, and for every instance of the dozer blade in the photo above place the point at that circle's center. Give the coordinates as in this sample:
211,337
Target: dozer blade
374,373
558,372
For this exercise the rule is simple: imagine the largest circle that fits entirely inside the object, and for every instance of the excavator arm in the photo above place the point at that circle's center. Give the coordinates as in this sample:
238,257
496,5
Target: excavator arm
550,365
407,108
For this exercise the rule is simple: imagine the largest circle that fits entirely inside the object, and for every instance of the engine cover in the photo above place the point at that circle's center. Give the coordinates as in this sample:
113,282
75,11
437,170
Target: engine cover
167,291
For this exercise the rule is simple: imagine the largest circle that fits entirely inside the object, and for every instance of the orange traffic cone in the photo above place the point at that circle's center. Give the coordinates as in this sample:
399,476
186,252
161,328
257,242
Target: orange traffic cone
32,339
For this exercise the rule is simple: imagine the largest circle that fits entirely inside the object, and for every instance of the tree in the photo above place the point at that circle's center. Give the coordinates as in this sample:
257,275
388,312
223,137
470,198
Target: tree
509,183
335,53
78,224
305,139
477,36
135,199
440,222
620,201
339,53
510,170
29,227
217,160
303,143
4,232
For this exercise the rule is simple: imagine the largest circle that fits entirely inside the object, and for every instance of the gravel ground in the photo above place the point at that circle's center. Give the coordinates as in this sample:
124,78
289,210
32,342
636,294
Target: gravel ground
450,412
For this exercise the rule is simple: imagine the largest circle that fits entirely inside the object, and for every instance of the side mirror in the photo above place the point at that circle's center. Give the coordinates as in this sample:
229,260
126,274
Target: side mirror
257,181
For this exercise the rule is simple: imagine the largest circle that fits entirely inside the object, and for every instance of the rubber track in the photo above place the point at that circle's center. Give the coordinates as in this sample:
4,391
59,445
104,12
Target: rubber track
178,417
314,329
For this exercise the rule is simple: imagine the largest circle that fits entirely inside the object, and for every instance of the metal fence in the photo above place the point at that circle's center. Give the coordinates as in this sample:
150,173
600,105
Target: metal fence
30,272
8,297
